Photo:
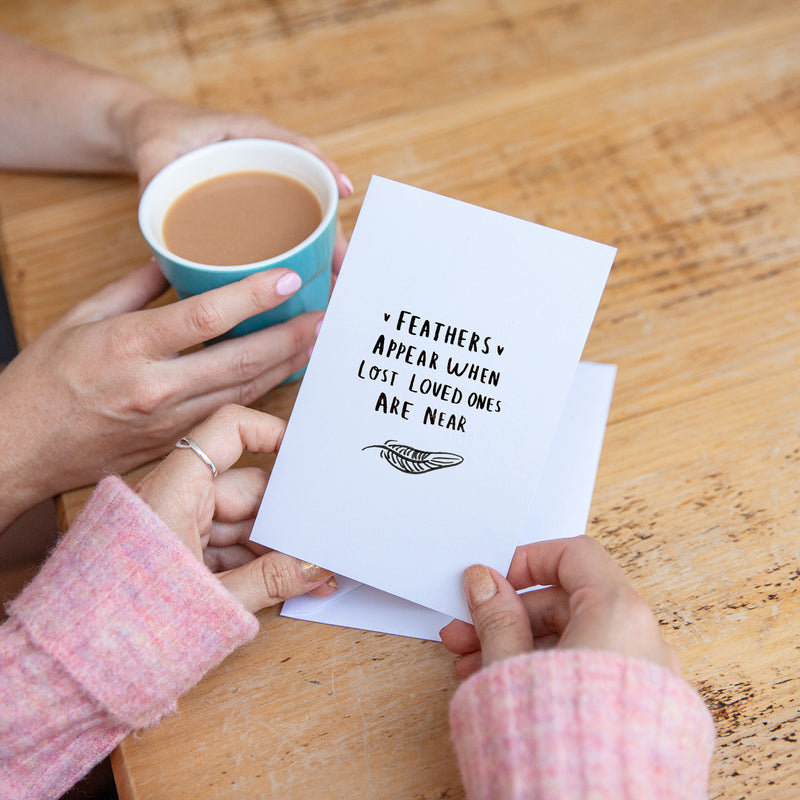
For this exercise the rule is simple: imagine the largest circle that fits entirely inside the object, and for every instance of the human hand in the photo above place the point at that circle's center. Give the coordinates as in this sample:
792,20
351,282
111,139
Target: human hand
161,129
106,387
587,603
213,516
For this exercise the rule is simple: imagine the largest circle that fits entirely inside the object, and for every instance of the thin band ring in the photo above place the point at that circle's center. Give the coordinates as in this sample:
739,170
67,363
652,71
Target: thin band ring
190,444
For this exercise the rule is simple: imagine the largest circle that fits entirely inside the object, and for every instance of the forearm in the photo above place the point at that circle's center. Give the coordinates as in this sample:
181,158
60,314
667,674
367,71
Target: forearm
52,731
57,114
577,723
120,621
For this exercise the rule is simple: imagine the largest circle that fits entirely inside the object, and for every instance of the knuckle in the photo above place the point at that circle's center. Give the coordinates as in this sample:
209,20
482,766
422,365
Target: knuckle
247,365
637,610
257,296
121,343
146,397
228,414
591,546
246,393
277,579
625,606
556,615
206,319
212,560
497,621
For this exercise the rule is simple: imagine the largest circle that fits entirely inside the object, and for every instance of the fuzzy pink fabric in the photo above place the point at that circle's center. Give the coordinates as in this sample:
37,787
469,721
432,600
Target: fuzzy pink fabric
569,724
120,621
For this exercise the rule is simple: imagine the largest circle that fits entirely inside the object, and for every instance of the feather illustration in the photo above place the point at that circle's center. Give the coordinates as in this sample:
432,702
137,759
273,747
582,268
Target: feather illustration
412,461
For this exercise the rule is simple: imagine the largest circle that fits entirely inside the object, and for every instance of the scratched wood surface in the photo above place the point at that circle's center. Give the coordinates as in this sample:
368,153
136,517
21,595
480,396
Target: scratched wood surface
669,130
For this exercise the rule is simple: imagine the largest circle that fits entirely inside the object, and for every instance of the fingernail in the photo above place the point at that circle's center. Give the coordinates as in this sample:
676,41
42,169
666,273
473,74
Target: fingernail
318,328
311,572
288,283
332,582
348,184
479,584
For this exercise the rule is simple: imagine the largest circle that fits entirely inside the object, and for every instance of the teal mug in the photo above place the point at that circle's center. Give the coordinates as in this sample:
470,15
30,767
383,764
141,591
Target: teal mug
311,259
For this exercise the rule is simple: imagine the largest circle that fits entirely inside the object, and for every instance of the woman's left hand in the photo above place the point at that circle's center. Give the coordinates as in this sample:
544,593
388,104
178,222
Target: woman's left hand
587,604
161,129
213,516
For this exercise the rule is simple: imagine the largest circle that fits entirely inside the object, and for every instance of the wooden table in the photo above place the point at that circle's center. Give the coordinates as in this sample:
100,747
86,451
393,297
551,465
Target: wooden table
670,130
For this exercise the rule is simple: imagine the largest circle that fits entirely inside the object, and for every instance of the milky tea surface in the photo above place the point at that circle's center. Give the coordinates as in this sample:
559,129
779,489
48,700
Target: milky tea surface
240,218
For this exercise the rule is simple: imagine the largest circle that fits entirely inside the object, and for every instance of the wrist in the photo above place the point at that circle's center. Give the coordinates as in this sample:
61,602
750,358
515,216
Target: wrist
137,118
128,117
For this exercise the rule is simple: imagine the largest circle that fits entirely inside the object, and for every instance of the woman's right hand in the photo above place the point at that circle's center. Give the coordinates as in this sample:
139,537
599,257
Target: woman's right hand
110,386
213,515
586,603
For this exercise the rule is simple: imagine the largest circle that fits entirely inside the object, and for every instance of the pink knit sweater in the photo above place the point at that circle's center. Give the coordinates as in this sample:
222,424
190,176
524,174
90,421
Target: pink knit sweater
570,724
122,619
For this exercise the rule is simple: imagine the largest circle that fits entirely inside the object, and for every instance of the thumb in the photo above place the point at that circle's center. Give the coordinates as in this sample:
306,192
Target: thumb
271,579
500,619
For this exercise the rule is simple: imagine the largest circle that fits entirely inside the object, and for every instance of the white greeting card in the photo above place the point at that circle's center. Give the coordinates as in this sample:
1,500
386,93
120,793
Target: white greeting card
436,384
560,508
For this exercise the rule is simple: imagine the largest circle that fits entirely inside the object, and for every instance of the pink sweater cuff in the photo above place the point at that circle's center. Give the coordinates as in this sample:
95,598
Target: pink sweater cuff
566,724
128,611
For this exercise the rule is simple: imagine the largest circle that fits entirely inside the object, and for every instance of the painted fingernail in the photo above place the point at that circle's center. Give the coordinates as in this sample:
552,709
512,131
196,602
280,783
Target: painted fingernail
311,572
348,184
288,283
332,582
479,584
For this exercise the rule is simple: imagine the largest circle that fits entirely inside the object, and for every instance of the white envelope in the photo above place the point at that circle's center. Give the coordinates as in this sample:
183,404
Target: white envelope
560,508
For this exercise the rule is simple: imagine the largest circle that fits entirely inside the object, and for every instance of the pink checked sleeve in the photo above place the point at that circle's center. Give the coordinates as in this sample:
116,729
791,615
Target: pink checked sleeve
569,724
119,622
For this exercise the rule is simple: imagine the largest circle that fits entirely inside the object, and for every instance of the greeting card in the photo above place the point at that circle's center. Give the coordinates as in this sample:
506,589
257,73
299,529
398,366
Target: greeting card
428,408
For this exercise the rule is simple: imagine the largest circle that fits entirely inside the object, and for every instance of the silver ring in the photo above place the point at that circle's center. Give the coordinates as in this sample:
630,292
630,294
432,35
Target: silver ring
190,444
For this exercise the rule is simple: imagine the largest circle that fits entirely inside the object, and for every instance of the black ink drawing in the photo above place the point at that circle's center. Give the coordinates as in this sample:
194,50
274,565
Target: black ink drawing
412,461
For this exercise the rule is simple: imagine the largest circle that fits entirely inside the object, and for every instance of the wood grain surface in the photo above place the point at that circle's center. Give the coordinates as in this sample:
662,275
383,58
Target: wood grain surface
667,129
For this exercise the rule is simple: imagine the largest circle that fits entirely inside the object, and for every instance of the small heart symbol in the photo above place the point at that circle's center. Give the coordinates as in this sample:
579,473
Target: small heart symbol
386,317
500,350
